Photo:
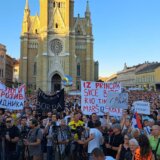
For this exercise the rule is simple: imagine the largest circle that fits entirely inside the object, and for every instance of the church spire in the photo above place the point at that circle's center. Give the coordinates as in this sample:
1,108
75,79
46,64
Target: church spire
25,25
27,5
87,13
87,7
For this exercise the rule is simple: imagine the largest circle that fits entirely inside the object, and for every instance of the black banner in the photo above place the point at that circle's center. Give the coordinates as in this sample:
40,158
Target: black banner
48,103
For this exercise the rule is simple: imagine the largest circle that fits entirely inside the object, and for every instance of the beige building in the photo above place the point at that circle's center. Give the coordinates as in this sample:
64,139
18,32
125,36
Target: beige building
55,44
96,71
16,71
127,76
149,77
2,62
6,67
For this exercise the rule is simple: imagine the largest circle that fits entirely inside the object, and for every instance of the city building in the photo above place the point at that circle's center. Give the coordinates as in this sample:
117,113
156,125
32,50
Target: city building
2,62
149,76
6,67
96,71
54,44
16,71
127,76
112,78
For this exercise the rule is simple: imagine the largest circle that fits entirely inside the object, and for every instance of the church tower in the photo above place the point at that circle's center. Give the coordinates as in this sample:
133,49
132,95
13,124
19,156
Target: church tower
55,44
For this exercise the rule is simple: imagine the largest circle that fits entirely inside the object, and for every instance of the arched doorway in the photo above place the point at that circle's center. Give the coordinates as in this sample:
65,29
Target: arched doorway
56,83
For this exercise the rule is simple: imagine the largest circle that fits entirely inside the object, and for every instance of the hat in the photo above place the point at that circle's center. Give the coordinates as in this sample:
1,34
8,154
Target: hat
116,125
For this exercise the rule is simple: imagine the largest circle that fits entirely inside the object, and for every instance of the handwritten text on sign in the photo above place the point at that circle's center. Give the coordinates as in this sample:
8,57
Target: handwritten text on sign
12,98
142,107
117,100
94,96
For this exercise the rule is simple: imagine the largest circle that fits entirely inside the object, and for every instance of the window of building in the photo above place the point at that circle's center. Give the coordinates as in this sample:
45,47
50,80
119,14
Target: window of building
56,25
15,70
54,4
78,69
59,5
36,31
35,69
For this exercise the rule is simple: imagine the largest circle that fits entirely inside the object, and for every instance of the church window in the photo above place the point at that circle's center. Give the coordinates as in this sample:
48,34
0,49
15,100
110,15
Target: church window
59,5
54,4
35,69
36,31
78,69
56,25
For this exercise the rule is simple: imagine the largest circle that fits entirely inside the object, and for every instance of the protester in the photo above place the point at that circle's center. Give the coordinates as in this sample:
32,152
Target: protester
33,141
154,140
94,118
144,152
75,129
24,130
133,145
114,140
98,138
123,148
11,139
97,154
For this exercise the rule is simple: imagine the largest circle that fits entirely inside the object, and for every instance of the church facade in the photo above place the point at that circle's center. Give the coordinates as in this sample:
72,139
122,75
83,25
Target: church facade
55,44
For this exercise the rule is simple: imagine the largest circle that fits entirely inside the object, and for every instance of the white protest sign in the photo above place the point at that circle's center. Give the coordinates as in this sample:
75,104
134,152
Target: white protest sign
12,98
142,107
117,100
118,112
94,96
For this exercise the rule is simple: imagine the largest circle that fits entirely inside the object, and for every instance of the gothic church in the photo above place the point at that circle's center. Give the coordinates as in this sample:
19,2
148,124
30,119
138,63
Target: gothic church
54,44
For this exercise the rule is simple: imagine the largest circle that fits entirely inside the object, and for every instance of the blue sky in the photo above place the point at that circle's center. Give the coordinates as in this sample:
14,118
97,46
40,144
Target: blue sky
124,30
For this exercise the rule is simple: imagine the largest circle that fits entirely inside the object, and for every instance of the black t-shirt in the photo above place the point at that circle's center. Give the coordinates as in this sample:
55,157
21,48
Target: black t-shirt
115,141
2,130
91,124
123,152
13,132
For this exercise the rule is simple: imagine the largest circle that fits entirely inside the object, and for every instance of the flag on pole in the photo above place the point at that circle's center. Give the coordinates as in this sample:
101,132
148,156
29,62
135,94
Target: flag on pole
136,122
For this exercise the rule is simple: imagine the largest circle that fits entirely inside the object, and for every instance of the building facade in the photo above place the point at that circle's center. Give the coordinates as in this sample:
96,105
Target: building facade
55,44
16,71
6,67
127,77
149,77
96,71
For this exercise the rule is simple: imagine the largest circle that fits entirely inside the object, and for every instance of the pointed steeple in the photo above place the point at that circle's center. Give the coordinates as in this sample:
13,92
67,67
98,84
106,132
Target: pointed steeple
87,13
87,7
125,66
25,25
27,5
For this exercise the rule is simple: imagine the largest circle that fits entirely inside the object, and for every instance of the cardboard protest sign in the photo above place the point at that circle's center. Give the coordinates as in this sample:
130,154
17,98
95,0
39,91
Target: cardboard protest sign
117,100
94,96
50,102
118,112
141,107
12,98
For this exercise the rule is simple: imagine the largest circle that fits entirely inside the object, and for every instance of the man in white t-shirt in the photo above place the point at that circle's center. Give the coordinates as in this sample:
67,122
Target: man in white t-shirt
97,154
98,138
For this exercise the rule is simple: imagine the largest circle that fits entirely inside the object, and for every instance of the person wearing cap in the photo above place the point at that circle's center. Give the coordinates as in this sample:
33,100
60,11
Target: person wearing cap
114,141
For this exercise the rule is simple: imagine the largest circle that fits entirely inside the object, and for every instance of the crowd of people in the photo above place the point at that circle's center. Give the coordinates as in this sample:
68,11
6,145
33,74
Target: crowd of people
71,135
